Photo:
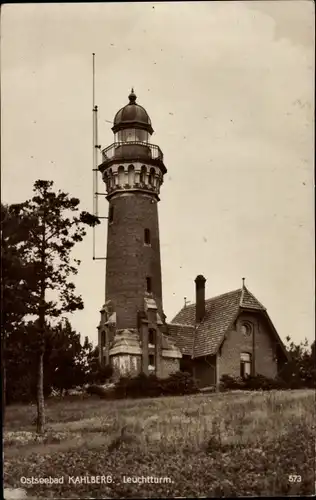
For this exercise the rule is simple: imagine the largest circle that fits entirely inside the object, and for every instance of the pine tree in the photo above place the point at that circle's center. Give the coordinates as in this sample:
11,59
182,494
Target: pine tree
53,227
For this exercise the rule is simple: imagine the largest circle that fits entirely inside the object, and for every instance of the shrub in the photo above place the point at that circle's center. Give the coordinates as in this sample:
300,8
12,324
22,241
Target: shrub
96,390
252,383
101,375
180,383
139,386
229,383
148,386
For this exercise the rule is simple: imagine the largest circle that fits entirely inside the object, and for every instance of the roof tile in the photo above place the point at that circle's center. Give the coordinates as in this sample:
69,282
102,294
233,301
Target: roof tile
220,312
183,336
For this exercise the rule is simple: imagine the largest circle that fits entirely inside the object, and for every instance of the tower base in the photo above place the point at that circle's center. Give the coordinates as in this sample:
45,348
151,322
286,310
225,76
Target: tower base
145,350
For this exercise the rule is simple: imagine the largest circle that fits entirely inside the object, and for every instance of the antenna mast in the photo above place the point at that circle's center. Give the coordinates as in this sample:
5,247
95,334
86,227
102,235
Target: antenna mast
95,150
96,147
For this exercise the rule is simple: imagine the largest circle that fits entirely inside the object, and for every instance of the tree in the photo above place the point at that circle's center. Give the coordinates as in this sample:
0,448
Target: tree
65,356
94,373
300,370
16,293
66,363
53,227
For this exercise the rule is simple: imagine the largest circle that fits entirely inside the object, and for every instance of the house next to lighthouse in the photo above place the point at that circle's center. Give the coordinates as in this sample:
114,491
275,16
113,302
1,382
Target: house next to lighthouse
228,334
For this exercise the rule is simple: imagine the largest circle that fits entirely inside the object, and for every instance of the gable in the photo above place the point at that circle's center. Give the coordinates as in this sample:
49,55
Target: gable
221,312
265,336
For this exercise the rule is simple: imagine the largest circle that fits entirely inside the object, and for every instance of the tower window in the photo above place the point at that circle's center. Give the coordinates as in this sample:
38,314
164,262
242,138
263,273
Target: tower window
151,336
111,213
131,175
151,361
148,284
147,236
103,340
143,173
121,176
151,177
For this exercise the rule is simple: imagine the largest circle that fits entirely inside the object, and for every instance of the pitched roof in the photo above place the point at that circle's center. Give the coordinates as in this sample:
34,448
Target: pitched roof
168,342
249,301
183,335
220,313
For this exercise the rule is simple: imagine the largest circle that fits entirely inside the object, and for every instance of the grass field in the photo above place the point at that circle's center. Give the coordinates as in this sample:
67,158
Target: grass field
226,444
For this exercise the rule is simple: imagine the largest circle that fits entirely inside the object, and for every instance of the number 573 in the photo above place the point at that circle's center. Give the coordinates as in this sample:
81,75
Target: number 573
295,479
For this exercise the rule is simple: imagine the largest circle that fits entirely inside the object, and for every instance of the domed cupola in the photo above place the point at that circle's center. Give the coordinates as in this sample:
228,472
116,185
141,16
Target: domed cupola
131,163
131,120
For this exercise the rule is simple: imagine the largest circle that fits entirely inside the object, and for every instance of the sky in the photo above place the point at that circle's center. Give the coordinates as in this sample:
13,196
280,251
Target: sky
229,87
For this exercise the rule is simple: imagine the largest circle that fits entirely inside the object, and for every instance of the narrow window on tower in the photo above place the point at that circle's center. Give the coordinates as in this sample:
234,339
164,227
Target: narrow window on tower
103,346
111,214
143,173
147,236
148,284
151,362
151,177
151,336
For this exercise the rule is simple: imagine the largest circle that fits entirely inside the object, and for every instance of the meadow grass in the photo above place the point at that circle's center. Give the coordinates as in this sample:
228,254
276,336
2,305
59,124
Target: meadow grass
226,444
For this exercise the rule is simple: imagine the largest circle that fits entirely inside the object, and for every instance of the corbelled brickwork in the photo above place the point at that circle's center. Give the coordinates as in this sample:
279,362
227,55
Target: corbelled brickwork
129,260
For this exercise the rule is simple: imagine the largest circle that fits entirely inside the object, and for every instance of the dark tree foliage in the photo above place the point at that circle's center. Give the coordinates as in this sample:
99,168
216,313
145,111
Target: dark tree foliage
67,362
16,289
300,370
49,225
95,373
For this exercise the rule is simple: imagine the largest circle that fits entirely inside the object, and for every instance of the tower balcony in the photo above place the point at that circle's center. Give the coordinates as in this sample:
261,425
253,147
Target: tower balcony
143,152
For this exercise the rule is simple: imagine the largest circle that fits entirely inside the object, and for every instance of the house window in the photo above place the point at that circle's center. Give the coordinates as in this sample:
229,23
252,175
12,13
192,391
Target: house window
151,336
111,213
246,329
148,284
147,236
245,364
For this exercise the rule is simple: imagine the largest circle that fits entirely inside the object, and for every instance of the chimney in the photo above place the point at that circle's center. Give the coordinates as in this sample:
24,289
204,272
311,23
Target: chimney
199,298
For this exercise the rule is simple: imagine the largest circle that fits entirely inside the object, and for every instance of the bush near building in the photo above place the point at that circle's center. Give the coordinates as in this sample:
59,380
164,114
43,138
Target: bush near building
148,386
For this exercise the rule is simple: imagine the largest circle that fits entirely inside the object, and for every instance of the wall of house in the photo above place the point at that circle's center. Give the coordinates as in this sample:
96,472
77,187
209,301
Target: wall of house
262,348
131,365
204,371
126,365
168,366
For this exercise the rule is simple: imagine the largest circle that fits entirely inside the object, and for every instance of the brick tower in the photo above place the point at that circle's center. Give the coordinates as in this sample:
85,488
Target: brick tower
132,319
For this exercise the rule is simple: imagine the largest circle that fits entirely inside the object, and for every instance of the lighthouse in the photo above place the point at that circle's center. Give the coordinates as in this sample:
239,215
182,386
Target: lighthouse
132,334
